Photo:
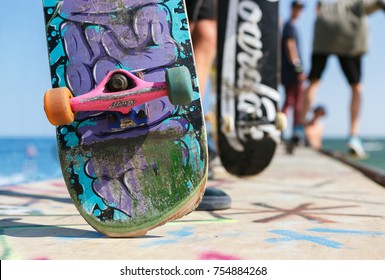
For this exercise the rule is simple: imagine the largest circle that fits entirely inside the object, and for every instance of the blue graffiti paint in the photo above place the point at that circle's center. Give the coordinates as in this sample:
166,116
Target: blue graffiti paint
351,232
88,199
184,232
289,235
176,236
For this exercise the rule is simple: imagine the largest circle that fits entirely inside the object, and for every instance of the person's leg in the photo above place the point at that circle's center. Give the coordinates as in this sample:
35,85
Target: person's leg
351,66
297,102
289,99
308,99
294,99
318,64
203,28
355,107
204,37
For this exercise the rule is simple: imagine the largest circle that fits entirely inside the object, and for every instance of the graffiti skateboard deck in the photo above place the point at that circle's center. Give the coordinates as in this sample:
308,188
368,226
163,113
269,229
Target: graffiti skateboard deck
249,124
126,106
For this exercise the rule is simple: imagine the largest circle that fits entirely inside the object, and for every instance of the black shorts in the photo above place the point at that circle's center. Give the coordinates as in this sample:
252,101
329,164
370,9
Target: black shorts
201,9
350,65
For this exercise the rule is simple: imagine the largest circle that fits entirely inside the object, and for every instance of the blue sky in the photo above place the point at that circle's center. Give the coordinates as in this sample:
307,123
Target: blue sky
24,73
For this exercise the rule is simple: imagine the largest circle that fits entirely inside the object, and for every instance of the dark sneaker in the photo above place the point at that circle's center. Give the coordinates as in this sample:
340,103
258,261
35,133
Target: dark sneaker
210,172
214,199
291,144
299,136
212,156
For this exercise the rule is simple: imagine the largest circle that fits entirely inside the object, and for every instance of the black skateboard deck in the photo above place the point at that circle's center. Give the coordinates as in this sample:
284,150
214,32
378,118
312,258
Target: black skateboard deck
247,104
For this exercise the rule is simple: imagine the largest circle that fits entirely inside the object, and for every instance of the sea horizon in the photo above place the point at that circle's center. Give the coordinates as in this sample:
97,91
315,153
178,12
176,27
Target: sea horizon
26,159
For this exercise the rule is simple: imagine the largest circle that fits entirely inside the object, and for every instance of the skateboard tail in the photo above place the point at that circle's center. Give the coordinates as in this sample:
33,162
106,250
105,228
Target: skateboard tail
116,229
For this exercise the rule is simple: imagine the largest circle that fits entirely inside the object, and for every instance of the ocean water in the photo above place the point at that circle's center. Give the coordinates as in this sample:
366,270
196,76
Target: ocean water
28,159
32,159
375,148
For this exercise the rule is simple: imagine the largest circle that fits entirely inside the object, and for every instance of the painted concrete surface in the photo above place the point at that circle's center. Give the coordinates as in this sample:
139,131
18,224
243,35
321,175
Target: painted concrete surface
306,206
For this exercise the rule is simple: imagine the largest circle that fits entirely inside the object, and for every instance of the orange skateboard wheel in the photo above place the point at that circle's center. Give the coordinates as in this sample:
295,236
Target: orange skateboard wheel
57,106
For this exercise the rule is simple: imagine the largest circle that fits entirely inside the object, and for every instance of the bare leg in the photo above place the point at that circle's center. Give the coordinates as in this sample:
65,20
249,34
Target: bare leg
204,37
355,107
355,144
308,99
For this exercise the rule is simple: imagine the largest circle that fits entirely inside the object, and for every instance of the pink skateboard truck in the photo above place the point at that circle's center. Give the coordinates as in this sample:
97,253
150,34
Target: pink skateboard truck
119,91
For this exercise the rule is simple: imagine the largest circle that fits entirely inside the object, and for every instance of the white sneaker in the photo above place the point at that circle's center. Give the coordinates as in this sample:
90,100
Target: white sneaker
355,147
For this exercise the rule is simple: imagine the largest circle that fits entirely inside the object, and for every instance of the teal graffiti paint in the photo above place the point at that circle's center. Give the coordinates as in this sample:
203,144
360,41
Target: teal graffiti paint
288,236
348,232
50,3
179,22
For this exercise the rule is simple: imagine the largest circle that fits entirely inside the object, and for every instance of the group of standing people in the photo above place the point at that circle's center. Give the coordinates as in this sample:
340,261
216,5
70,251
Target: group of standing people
340,29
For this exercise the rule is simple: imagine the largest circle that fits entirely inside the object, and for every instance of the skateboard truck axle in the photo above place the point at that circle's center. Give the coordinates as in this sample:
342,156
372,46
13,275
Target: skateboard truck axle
119,91
118,82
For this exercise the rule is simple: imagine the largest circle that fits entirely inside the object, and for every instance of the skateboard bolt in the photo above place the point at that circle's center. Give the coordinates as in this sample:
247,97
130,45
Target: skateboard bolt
118,82
141,114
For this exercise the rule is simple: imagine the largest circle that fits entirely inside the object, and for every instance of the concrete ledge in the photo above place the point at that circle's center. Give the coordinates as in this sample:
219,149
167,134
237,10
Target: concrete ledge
374,174
305,206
